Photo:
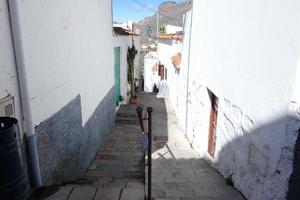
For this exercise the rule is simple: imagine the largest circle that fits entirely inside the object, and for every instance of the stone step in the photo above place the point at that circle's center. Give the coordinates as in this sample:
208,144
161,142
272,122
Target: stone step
121,149
132,194
126,121
131,114
114,138
81,181
139,153
111,157
134,183
128,106
119,167
115,174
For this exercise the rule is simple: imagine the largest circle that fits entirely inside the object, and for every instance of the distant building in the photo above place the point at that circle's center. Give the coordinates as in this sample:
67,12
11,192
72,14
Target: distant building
126,25
124,38
171,29
150,71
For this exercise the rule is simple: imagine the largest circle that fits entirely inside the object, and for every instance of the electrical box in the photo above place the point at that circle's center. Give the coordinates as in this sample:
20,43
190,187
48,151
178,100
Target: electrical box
7,108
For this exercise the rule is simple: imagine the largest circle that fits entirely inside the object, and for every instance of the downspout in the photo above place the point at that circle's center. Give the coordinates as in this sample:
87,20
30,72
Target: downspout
31,148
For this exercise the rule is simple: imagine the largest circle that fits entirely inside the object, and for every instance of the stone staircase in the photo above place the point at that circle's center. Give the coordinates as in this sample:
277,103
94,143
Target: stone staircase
118,167
126,114
117,172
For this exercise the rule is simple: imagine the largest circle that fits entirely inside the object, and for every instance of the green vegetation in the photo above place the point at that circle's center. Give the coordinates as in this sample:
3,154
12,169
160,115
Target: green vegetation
162,30
130,74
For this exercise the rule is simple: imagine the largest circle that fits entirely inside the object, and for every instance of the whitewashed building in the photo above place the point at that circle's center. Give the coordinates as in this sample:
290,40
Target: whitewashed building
123,39
240,99
171,29
150,71
170,46
57,72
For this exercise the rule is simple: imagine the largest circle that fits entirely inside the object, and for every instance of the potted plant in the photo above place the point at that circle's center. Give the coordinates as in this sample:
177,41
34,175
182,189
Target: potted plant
130,74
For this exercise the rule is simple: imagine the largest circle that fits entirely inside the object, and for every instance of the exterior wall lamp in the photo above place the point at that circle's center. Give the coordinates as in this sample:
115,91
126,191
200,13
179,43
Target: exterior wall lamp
149,31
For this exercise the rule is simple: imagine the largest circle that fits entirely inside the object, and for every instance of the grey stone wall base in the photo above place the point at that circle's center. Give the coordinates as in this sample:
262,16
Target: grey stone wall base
33,161
65,146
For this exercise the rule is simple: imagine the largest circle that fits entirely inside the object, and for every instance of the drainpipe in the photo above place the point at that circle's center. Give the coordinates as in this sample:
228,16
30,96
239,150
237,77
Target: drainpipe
31,148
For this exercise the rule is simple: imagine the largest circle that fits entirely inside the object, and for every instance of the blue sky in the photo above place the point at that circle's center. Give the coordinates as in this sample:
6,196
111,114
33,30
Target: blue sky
124,10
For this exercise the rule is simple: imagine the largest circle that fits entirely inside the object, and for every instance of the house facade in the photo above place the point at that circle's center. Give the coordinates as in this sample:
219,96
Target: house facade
63,52
173,53
150,71
242,105
237,92
124,38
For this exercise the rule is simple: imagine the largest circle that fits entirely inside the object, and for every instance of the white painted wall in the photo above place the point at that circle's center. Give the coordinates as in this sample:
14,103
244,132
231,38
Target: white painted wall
175,88
8,75
246,53
124,42
171,29
150,77
257,40
167,49
68,51
296,93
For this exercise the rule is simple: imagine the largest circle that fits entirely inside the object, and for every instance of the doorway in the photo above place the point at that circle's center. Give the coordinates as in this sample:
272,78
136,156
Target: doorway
117,59
212,136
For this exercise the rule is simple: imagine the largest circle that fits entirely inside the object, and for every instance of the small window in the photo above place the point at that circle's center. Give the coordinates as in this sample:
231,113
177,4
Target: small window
9,110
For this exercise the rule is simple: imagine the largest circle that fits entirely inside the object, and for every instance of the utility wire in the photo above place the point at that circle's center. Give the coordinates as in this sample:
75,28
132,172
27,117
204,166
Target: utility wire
153,10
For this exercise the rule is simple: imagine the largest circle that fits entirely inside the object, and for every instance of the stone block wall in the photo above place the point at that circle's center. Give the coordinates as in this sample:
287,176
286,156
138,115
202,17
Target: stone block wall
258,156
249,152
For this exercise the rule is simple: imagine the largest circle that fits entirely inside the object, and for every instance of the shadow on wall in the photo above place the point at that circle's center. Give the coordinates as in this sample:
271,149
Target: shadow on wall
177,172
65,147
294,182
258,162
256,159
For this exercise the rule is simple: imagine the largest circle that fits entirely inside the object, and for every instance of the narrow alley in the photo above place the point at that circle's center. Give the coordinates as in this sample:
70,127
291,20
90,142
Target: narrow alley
218,83
178,172
118,172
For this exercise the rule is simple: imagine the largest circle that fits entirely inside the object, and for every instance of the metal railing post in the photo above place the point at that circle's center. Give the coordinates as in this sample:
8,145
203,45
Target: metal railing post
149,111
139,111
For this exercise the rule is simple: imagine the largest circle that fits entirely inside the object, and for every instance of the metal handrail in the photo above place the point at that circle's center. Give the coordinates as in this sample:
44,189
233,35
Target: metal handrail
139,111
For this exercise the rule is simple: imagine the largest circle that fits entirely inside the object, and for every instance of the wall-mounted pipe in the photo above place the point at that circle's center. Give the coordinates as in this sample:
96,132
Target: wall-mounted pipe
31,148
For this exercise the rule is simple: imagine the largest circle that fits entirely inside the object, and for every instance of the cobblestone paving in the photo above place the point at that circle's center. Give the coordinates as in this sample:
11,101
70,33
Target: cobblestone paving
117,172
178,172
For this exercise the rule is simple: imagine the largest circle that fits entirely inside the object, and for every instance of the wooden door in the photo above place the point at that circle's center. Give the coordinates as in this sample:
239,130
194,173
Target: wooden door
212,137
161,71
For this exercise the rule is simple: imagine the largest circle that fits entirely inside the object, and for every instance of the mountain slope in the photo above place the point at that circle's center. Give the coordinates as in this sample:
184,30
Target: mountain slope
169,13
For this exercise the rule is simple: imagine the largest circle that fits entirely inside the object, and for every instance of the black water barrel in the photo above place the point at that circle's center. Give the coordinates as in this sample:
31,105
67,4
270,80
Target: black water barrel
13,175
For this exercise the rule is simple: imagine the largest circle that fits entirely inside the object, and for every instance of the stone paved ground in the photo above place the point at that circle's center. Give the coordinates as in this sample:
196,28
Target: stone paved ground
177,171
118,171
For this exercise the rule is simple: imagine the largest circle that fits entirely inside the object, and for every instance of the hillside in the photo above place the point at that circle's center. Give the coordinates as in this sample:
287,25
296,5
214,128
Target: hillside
170,13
